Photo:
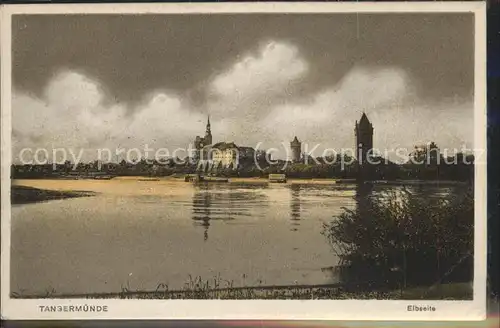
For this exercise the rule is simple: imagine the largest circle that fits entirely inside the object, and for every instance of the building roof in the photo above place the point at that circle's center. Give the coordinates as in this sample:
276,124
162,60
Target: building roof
364,119
245,148
224,145
295,140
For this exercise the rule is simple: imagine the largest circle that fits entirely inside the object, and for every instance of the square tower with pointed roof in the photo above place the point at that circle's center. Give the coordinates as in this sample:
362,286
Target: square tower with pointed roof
363,131
296,146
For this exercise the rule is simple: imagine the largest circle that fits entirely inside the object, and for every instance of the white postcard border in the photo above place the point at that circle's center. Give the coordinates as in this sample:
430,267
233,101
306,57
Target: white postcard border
29,309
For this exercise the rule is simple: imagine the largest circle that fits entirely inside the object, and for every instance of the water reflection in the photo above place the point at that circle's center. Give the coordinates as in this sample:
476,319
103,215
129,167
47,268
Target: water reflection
295,206
224,202
405,252
202,201
364,195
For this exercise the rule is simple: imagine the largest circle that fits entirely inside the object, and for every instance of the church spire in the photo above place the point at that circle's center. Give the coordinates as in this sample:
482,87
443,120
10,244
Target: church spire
208,133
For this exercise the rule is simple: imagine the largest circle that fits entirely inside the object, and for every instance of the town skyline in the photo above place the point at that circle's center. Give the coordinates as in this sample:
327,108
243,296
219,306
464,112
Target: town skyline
296,151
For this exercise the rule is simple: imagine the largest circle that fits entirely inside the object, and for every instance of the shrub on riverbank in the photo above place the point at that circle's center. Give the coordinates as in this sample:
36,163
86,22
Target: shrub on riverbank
401,239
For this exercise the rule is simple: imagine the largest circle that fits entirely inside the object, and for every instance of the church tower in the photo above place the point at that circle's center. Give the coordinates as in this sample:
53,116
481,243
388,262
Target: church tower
296,146
364,138
208,133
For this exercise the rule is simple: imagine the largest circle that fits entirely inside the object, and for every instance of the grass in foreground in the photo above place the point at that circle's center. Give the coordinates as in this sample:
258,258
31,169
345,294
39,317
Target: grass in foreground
210,289
443,292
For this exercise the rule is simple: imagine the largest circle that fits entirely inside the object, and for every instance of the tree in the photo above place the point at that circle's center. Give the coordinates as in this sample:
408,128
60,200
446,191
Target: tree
405,238
428,154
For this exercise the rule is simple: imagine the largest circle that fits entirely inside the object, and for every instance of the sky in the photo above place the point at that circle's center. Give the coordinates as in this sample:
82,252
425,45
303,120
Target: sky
88,82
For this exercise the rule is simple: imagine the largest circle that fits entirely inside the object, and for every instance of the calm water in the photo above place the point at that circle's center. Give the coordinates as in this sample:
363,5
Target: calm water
161,232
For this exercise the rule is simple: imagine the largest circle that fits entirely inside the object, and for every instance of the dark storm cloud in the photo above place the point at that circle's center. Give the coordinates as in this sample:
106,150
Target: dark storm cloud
134,55
262,78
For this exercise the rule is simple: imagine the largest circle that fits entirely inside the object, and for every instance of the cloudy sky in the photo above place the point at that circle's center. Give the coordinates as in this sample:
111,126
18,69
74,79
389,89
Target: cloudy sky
102,81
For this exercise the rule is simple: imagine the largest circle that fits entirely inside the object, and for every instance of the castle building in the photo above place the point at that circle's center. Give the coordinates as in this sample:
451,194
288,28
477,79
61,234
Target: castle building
222,154
296,146
228,154
364,138
225,154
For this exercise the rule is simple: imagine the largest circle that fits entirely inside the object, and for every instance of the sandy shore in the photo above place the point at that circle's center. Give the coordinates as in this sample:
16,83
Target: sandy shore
141,185
126,186
170,186
133,186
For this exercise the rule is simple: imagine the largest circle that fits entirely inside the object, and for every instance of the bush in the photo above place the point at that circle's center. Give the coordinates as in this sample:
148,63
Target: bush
402,239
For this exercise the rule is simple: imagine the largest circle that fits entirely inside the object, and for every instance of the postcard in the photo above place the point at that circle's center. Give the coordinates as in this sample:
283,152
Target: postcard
244,161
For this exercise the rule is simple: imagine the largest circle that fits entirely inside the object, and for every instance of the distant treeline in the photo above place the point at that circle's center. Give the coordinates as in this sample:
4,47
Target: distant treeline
425,164
458,171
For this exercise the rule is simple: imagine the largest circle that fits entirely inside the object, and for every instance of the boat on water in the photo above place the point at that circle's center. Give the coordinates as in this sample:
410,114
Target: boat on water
279,178
103,177
192,178
86,175
214,179
201,178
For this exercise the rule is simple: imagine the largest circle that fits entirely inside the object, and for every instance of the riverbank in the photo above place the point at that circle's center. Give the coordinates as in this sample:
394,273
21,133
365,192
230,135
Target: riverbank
290,181
25,195
452,291
47,189
322,181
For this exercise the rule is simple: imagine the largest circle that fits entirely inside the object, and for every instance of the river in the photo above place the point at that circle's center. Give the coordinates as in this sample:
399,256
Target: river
137,234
